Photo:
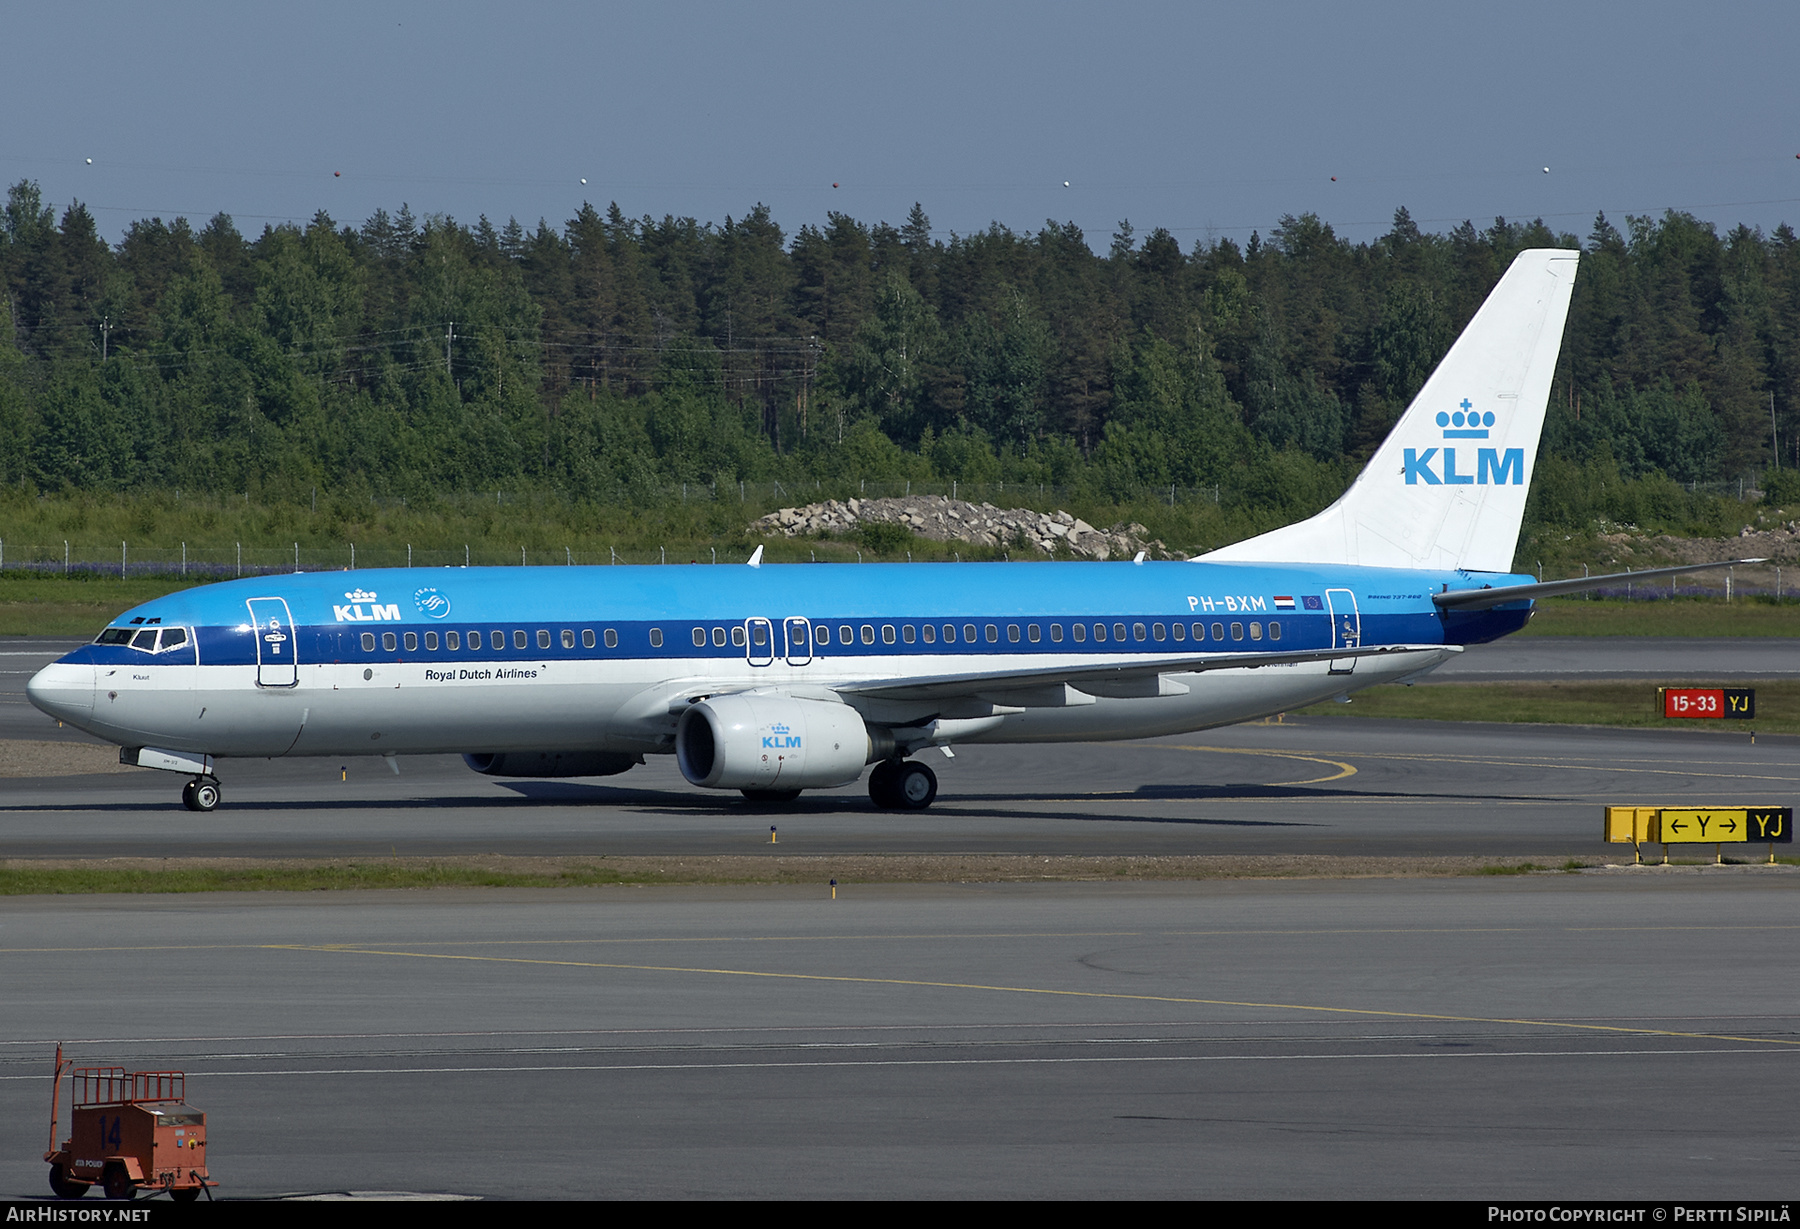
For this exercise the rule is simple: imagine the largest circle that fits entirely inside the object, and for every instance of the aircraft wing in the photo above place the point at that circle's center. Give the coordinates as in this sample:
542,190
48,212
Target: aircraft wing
1104,679
1485,598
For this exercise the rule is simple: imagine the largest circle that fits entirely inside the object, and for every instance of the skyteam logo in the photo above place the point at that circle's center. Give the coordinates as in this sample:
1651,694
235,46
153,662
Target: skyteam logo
778,738
432,604
1492,466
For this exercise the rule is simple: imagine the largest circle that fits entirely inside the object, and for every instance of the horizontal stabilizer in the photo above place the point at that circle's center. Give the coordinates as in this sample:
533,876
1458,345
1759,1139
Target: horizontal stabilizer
1487,597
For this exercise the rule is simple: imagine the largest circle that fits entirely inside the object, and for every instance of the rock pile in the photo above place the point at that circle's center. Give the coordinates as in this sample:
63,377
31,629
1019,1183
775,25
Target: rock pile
951,520
1778,543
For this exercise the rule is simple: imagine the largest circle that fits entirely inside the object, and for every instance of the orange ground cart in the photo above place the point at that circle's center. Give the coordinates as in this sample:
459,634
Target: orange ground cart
129,1131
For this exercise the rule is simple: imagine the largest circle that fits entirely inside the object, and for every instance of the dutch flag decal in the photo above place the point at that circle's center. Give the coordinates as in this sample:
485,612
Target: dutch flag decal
1284,603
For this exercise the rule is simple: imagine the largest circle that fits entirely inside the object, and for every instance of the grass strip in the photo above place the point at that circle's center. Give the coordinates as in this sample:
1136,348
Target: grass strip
1701,617
24,877
78,605
1590,702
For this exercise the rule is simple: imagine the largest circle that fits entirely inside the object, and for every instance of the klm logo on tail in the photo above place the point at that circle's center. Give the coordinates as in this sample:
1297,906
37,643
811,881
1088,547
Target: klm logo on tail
1492,466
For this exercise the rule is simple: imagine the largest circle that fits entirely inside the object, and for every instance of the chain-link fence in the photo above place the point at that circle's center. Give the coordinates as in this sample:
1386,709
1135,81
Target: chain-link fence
774,494
215,563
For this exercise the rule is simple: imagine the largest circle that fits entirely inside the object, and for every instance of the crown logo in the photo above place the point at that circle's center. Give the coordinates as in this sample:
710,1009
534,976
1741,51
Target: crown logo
360,595
1466,423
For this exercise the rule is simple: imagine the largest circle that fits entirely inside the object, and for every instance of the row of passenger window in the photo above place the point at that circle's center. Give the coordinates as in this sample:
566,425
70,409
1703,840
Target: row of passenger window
847,634
989,633
453,640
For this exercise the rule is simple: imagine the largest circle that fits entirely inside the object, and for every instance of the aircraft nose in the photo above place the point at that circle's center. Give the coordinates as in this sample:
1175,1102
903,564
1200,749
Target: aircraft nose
63,689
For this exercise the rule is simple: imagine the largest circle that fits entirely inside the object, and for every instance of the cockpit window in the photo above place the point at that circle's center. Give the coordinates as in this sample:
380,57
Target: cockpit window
144,639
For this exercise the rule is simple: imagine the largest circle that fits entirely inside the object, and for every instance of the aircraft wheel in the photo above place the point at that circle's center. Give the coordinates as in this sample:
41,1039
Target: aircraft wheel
882,781
187,795
65,1186
915,786
770,795
201,795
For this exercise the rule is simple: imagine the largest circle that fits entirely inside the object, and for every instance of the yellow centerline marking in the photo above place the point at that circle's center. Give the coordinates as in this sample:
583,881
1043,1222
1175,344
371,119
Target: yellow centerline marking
1039,990
1343,769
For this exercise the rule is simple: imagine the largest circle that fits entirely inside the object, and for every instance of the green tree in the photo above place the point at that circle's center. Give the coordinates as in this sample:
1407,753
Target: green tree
886,373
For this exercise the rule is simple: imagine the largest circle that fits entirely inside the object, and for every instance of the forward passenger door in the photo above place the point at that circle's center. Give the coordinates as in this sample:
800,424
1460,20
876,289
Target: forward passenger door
277,663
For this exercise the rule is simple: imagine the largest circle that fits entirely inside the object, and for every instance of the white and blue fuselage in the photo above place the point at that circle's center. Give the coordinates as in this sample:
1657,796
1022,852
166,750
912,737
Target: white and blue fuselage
485,660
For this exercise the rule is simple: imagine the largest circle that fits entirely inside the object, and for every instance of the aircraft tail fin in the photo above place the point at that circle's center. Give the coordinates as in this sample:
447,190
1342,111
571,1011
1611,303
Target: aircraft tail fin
1447,488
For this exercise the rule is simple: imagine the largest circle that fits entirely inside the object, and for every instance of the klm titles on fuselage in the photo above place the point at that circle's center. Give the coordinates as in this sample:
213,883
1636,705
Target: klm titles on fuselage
373,614
1493,467
364,608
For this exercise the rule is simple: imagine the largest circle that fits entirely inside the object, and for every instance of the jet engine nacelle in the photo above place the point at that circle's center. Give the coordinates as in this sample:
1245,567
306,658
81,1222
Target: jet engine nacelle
551,763
770,742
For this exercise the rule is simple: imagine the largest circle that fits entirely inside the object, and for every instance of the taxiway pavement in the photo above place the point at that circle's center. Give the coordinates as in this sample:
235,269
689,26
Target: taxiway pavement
1632,1035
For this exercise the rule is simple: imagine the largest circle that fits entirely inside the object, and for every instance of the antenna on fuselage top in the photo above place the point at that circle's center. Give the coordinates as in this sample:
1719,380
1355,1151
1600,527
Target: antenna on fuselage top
755,559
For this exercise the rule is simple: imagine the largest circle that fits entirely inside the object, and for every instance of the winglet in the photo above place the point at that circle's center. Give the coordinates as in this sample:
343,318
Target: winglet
755,559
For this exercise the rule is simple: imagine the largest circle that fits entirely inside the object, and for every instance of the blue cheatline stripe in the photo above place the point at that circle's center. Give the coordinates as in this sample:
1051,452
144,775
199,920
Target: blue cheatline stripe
237,646
333,609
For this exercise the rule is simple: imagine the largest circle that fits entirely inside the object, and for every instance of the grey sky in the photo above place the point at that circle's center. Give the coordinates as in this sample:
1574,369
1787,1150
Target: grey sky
1204,119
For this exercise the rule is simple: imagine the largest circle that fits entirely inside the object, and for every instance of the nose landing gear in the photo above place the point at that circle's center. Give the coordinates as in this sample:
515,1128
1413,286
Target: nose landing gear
201,794
902,785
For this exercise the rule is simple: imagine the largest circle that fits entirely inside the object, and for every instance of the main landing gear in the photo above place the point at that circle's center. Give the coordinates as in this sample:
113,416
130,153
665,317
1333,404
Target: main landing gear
201,794
902,785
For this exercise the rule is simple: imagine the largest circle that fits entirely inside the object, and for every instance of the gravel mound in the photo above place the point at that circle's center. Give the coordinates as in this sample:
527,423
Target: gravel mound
952,520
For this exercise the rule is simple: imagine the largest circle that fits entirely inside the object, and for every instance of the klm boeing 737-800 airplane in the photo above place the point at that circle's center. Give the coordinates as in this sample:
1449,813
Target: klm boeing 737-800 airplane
772,680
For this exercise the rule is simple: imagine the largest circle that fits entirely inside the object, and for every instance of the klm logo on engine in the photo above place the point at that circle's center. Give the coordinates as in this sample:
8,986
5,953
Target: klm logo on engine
778,738
1493,466
364,609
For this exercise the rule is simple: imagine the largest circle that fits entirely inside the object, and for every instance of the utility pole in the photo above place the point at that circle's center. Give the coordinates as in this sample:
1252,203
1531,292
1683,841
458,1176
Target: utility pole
449,336
1774,439
106,331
